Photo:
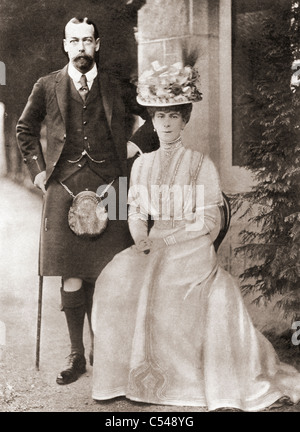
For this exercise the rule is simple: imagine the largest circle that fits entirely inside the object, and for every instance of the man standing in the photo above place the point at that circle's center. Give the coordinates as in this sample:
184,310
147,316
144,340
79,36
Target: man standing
85,114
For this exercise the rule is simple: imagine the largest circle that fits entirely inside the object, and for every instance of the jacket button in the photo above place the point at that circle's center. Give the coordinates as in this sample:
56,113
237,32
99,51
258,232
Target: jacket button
85,122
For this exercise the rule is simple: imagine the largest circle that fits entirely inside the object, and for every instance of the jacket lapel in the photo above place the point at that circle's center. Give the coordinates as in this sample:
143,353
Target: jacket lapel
107,95
62,94
62,82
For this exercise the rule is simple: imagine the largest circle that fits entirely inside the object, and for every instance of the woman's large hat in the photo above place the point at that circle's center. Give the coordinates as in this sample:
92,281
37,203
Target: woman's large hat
169,85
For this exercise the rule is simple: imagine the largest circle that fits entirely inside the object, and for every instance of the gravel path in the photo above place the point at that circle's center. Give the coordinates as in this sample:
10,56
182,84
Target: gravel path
22,388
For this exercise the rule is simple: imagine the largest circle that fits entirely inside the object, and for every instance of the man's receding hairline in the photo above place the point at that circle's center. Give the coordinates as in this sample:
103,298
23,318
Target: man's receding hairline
75,20
80,21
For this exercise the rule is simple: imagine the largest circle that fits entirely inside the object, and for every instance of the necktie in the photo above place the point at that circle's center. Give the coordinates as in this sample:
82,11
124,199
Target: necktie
84,90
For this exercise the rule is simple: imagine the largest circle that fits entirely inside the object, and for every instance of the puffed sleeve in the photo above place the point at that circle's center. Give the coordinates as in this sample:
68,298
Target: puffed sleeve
137,214
205,216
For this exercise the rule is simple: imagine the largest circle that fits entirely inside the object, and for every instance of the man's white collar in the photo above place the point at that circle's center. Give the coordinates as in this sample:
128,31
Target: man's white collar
76,75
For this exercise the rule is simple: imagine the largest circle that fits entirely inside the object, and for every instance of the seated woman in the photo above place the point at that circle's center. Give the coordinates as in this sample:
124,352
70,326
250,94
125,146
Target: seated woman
170,325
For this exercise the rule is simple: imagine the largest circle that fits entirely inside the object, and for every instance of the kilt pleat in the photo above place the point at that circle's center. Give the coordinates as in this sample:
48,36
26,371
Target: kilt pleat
62,252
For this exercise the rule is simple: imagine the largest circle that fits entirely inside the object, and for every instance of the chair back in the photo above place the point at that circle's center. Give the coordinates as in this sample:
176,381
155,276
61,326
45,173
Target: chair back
225,221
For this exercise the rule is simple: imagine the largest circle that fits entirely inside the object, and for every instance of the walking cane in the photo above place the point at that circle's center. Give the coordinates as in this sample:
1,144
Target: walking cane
39,322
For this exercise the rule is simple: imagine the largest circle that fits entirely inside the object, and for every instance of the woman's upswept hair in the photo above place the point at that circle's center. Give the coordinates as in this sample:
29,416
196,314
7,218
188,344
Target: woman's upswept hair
184,109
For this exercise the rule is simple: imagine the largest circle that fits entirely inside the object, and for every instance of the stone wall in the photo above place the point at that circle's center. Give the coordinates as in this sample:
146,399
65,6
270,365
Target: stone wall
162,26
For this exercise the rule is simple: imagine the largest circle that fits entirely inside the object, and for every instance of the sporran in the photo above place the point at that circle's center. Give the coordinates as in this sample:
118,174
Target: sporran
87,217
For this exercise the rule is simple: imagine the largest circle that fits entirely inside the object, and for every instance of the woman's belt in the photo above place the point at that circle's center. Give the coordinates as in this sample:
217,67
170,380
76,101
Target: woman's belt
170,223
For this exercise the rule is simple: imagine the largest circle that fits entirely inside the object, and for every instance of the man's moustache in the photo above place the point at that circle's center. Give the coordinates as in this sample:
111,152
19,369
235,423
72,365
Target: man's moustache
83,56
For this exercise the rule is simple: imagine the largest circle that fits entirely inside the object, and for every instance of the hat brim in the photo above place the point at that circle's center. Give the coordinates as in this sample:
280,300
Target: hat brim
165,104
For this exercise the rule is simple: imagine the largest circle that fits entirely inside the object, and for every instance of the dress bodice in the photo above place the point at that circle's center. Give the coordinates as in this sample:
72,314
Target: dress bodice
172,182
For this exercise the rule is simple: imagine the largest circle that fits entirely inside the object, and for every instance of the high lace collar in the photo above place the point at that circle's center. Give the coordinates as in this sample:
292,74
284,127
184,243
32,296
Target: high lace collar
171,146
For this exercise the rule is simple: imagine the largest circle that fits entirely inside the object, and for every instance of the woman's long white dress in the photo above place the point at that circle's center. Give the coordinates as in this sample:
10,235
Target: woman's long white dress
170,326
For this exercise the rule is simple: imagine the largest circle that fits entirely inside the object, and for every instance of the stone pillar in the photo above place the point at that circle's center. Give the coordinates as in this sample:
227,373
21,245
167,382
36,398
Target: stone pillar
162,26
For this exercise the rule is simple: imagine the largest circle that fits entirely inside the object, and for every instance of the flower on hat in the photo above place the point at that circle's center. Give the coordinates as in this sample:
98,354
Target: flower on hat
173,85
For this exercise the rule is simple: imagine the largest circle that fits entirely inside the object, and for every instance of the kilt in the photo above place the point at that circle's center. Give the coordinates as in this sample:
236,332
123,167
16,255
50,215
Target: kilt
62,252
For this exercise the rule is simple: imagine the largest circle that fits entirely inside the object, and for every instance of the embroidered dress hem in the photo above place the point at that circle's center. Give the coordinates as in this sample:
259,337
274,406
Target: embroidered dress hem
257,405
171,328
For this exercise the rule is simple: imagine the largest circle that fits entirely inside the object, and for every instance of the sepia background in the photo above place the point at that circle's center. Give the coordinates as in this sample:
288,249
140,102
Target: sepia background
133,34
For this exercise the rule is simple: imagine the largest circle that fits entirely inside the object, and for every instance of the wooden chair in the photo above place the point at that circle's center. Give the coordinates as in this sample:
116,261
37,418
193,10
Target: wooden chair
225,221
225,210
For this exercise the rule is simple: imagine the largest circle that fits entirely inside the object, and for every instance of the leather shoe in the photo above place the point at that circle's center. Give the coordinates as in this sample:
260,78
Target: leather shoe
74,368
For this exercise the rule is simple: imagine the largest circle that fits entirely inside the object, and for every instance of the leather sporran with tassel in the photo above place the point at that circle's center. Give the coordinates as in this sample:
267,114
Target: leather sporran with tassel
87,217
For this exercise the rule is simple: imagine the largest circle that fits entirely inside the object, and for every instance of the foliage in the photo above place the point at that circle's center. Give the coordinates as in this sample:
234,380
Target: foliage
271,143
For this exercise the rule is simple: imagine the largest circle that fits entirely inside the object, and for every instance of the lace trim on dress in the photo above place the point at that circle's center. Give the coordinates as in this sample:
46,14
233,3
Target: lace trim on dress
171,146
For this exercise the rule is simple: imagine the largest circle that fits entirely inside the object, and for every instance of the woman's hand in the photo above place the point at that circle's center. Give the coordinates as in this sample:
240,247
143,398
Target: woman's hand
145,245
